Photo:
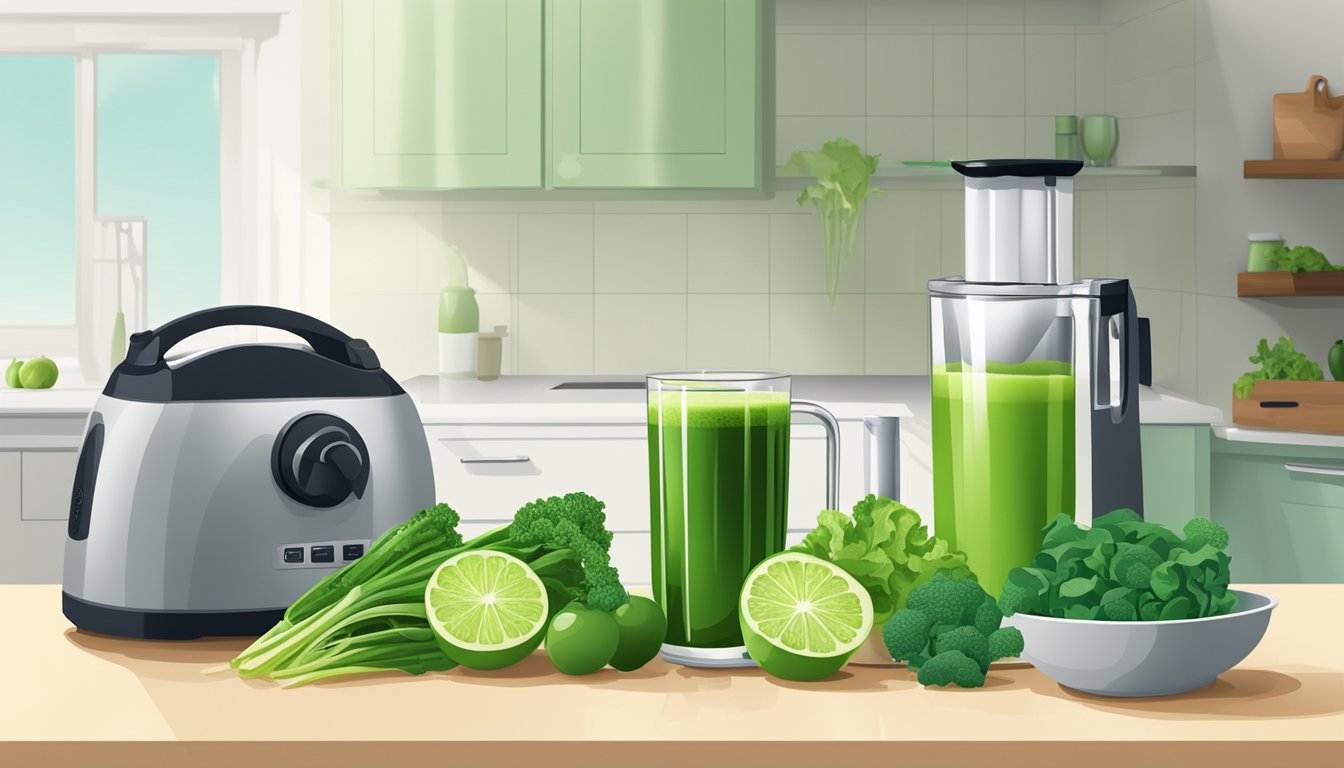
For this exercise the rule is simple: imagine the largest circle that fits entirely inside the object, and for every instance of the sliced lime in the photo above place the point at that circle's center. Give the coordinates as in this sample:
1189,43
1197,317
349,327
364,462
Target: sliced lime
803,617
487,609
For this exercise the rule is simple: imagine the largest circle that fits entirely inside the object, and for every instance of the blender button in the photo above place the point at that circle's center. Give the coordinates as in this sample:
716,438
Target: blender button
293,554
324,554
352,551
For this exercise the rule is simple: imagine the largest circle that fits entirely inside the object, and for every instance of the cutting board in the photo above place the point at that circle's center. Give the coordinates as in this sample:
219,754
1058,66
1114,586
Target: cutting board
1308,125
1296,406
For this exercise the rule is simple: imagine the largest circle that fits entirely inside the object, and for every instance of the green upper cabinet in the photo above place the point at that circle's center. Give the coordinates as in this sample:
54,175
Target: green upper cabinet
442,93
657,94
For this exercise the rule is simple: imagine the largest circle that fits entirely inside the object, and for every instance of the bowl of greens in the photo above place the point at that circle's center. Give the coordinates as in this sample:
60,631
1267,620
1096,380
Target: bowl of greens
1132,608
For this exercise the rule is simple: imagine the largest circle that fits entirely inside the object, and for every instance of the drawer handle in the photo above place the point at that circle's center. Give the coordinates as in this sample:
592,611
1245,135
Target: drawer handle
1312,469
495,459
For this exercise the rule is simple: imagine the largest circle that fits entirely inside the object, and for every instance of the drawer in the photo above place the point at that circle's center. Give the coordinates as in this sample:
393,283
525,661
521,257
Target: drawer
1284,514
496,470
47,480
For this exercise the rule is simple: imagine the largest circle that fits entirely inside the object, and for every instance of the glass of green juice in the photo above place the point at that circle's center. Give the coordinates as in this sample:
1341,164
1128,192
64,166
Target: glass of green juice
718,498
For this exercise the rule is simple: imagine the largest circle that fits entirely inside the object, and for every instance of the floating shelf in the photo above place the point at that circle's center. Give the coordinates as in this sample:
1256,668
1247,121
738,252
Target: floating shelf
1270,284
1293,169
916,170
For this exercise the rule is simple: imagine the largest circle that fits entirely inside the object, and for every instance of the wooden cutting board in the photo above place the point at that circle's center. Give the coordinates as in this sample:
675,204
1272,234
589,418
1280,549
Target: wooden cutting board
1297,406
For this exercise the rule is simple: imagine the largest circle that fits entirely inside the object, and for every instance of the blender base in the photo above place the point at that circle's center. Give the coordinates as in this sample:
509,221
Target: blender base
708,658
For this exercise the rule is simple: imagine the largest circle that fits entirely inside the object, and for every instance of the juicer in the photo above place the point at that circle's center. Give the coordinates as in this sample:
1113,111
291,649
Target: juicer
1035,374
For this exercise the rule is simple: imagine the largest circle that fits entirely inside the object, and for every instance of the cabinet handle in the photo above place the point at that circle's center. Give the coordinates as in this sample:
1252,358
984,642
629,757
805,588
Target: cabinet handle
495,459
1312,469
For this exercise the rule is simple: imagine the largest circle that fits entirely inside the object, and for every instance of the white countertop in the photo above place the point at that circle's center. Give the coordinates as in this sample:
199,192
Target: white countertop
1277,436
532,398
62,399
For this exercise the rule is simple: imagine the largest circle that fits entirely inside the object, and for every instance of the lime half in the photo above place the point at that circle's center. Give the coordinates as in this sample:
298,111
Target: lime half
488,609
803,617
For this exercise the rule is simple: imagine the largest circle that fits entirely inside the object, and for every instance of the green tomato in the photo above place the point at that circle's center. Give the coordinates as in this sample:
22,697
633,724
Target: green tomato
38,373
642,626
12,374
581,640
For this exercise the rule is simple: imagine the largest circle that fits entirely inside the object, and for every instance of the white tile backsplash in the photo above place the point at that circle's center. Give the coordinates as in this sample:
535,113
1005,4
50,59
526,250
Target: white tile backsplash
949,74
904,233
639,332
896,334
485,240
809,334
726,330
809,133
994,74
900,75
797,257
906,138
1050,72
816,74
555,333
728,253
995,136
996,12
643,253
555,253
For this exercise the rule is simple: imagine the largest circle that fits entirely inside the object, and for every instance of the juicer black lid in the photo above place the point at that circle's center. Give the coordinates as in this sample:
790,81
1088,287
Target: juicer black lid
992,169
332,365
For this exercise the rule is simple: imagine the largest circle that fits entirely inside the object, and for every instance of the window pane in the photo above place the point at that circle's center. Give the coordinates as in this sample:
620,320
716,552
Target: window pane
158,157
37,190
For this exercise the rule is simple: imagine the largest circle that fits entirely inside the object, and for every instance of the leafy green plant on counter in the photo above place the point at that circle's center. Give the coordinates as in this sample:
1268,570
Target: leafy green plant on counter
1301,258
1281,362
1124,569
887,548
841,187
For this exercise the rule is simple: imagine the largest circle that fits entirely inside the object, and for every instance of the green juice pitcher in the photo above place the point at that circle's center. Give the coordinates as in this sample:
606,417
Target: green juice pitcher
719,498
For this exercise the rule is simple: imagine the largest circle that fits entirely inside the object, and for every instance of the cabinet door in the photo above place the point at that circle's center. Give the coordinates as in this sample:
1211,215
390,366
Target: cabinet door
1284,512
657,94
442,93
1175,473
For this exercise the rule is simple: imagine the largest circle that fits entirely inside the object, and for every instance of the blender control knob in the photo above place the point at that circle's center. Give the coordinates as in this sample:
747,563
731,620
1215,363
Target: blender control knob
320,460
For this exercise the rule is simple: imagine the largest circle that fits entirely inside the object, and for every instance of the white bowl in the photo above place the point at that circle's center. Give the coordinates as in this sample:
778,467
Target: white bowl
1144,658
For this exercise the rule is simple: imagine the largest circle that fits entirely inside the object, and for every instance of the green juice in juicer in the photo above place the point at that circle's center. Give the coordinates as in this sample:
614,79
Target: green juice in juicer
1034,375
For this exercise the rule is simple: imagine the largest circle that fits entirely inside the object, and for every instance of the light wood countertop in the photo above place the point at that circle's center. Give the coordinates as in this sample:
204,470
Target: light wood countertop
73,696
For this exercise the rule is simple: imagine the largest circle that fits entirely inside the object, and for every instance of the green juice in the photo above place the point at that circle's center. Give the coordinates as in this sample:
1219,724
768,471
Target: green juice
718,497
1003,462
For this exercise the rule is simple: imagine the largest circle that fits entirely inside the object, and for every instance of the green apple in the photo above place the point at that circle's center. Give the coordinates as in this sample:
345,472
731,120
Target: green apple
12,374
38,373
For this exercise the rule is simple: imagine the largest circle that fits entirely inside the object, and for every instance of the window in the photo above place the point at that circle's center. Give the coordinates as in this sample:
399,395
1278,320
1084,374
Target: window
149,162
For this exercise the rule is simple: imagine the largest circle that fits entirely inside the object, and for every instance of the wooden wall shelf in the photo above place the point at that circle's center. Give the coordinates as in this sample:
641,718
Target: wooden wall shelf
1293,169
1267,284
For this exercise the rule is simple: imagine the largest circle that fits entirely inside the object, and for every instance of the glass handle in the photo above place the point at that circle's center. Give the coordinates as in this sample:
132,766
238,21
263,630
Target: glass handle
832,446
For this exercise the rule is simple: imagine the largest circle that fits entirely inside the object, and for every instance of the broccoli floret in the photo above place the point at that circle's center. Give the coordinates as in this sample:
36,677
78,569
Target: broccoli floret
574,522
947,601
1200,531
1134,566
988,617
1119,610
951,668
1005,643
969,641
906,634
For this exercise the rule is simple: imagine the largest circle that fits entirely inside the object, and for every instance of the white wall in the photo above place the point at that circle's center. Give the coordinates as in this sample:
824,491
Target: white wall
1247,50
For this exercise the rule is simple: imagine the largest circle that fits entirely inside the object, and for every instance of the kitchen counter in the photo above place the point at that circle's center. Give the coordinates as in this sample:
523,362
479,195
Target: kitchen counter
531,398
71,696
1241,434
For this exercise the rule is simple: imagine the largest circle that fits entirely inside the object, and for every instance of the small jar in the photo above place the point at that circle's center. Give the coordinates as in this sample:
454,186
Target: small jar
1261,243
1066,138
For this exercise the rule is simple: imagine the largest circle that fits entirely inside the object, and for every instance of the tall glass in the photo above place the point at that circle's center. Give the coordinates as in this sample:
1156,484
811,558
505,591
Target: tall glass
1003,420
718,498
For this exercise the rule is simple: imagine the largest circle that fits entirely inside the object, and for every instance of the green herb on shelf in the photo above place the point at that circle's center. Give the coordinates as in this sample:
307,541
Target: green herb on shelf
1281,362
1300,258
841,170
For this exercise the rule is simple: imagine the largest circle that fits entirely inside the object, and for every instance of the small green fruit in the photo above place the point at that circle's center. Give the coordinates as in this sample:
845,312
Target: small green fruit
643,627
38,373
12,374
581,640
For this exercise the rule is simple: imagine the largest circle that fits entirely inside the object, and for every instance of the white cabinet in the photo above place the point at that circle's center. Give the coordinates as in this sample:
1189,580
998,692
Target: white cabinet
487,471
34,496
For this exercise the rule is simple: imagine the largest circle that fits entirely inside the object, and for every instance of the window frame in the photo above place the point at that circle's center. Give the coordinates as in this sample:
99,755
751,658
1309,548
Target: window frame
258,140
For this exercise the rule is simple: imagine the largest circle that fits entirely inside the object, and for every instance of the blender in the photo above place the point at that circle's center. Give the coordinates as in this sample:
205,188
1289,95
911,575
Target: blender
1034,374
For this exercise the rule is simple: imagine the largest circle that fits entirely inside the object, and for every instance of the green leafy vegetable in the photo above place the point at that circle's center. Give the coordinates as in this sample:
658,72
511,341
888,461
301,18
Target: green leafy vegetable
886,547
947,622
841,187
1282,362
370,615
1123,569
1301,258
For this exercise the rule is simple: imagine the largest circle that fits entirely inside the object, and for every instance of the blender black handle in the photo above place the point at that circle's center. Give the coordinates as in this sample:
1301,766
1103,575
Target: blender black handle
147,348
1123,305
